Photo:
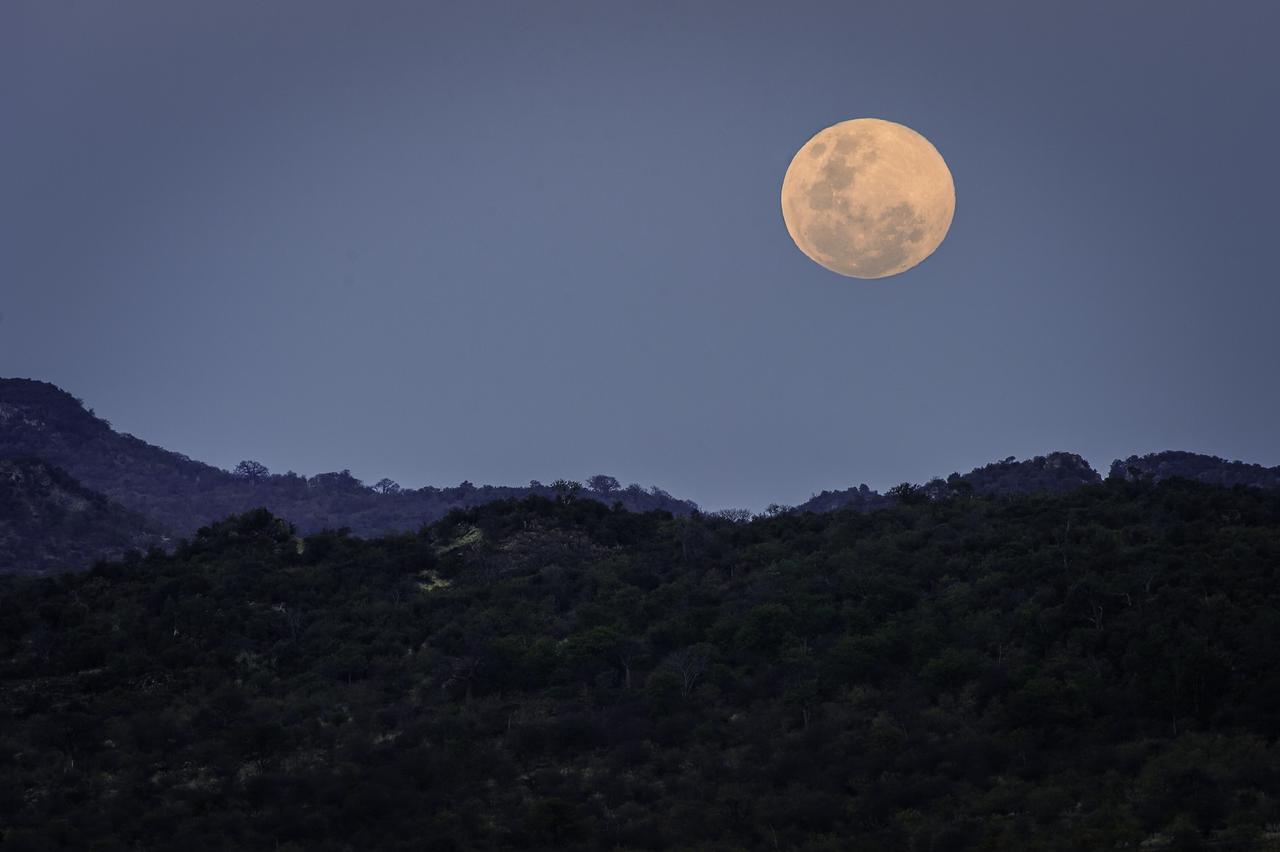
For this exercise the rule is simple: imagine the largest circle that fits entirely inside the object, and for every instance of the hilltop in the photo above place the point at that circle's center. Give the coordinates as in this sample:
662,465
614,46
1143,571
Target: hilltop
1055,473
180,495
1201,468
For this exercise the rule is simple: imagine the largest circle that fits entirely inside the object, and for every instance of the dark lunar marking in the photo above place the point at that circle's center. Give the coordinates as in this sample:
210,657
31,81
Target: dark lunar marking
825,194
848,144
818,150
894,232
820,197
838,174
897,229
835,176
829,240
833,239
900,223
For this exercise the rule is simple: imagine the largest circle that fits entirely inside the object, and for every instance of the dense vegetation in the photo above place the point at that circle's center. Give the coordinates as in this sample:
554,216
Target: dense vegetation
1201,468
175,495
1092,670
1054,473
49,522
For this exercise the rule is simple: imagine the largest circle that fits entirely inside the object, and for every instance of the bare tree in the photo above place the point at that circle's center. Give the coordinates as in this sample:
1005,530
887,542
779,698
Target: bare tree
628,652
251,470
689,664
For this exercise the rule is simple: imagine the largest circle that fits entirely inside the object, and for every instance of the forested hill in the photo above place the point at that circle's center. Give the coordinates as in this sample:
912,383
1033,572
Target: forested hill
179,495
49,522
1092,670
1201,468
1055,473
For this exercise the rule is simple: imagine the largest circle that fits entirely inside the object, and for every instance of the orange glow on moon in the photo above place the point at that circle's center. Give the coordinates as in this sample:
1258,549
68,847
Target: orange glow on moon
868,198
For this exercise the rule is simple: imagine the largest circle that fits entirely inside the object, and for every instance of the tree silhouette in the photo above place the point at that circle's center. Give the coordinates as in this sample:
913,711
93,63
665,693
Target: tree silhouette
251,470
603,484
387,486
566,489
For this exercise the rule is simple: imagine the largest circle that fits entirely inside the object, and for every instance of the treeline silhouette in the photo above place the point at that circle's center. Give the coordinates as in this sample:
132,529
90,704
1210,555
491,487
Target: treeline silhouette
178,495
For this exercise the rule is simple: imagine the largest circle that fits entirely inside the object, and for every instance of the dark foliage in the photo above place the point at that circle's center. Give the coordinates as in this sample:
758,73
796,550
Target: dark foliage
1055,473
49,522
1207,469
1094,670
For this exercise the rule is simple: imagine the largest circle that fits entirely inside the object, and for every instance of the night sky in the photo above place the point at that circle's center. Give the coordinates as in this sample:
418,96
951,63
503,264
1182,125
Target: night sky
495,242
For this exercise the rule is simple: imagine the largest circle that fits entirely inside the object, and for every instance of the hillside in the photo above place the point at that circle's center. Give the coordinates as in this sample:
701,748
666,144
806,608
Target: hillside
1090,670
49,522
179,495
1208,469
1055,473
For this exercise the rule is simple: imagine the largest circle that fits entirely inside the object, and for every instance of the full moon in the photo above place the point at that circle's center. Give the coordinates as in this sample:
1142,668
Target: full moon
868,198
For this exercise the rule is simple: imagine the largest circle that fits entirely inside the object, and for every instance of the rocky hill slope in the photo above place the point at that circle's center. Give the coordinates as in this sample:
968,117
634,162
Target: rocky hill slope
50,523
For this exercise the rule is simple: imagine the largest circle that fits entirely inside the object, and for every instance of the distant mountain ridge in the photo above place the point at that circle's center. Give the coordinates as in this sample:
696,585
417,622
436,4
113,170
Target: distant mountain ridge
180,494
149,491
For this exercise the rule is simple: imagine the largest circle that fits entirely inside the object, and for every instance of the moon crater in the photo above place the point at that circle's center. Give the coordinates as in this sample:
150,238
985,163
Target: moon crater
868,198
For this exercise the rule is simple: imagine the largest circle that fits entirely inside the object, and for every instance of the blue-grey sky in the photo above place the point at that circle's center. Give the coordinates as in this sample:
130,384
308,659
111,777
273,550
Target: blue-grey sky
500,241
